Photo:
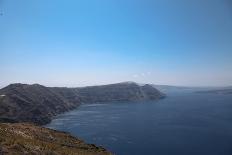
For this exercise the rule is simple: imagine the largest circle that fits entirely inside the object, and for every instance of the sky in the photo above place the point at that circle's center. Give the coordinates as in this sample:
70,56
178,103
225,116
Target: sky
79,42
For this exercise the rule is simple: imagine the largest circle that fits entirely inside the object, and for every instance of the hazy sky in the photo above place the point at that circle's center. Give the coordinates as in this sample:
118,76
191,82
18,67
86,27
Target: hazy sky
86,42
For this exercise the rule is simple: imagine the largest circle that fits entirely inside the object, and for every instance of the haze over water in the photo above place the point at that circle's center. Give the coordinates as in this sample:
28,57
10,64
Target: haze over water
181,124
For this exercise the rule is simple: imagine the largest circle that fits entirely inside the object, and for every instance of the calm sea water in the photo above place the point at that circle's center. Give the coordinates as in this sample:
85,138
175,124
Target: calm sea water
186,124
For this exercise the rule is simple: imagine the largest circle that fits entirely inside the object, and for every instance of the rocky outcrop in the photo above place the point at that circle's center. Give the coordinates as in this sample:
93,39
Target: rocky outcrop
38,104
22,139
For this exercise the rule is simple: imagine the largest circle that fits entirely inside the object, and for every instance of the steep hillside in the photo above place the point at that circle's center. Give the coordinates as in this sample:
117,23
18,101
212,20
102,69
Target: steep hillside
38,104
22,139
126,91
31,103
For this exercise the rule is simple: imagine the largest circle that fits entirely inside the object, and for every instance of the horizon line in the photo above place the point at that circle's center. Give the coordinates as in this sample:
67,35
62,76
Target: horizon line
139,83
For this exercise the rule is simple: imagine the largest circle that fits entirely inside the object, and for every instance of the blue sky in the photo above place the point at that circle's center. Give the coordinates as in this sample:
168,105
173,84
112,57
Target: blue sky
80,42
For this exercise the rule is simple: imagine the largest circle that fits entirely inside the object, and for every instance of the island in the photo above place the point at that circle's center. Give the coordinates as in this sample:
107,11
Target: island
37,105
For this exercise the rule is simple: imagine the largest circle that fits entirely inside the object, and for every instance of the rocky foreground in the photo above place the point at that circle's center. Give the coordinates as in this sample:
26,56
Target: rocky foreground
23,139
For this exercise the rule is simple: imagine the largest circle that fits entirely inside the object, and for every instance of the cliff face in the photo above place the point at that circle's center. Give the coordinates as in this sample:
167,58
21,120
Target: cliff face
38,104
31,103
118,92
24,139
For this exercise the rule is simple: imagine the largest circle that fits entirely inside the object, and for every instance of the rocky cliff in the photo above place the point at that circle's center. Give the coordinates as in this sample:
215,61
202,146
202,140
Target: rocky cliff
38,104
31,103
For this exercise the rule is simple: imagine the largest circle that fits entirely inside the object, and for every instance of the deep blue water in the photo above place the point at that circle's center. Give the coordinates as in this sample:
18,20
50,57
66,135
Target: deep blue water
186,124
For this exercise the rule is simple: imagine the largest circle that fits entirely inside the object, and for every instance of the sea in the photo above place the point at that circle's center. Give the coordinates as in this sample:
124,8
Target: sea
180,124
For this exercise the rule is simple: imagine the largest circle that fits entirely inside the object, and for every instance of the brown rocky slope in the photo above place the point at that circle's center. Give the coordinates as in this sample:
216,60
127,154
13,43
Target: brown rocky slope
28,139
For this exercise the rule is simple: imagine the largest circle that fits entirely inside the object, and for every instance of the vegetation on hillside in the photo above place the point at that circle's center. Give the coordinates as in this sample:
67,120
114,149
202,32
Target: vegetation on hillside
21,139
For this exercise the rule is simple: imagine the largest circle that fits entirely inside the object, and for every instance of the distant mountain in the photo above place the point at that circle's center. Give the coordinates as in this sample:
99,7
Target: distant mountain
178,89
167,89
225,90
126,91
19,139
39,104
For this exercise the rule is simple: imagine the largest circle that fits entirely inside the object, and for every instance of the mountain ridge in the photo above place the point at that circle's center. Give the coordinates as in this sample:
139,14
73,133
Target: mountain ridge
39,104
